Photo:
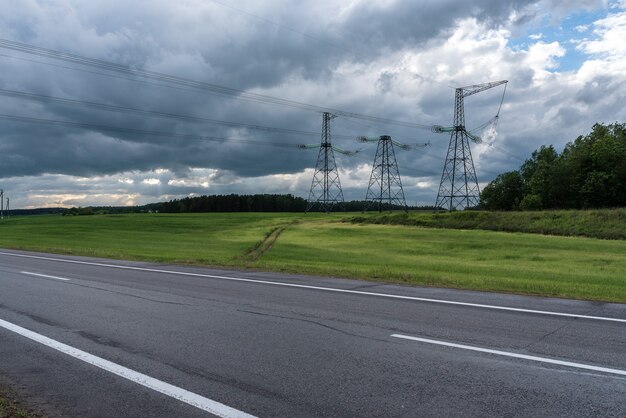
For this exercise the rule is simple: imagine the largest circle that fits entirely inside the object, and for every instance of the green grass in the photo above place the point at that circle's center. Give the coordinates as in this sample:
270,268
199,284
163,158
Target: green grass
572,267
483,260
600,223
211,239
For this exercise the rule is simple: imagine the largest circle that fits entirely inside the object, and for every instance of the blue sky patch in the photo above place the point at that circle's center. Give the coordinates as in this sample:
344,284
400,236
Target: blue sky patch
567,32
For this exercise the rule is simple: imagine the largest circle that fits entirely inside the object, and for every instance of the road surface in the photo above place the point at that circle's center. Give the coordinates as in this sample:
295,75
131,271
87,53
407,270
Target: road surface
89,337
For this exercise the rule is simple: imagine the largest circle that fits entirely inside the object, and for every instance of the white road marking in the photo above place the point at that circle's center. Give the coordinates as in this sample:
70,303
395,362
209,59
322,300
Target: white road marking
326,289
514,355
172,391
45,275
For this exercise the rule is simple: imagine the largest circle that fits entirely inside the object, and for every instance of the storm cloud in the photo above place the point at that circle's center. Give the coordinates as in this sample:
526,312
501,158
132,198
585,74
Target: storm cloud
391,59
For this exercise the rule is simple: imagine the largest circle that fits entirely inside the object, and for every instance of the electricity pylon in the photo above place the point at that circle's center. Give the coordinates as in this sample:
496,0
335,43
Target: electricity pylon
459,184
8,208
1,204
325,191
385,186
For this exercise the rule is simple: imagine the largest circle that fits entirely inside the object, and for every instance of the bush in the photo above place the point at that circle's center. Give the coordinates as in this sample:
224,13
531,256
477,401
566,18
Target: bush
530,202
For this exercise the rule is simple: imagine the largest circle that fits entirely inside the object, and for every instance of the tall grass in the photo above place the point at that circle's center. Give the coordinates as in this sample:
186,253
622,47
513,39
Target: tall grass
600,223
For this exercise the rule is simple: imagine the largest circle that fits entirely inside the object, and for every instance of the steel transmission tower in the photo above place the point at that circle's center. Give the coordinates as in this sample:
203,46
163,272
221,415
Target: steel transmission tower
459,184
385,186
1,204
325,190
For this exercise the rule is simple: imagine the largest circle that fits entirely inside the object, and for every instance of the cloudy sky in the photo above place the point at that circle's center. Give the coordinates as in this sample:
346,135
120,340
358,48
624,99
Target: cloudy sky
565,62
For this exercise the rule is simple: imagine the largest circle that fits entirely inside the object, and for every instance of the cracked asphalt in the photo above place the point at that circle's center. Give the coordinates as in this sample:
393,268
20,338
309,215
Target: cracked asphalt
278,351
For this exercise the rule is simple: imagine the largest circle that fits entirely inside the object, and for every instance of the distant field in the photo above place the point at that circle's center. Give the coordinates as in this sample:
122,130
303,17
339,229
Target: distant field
573,267
212,239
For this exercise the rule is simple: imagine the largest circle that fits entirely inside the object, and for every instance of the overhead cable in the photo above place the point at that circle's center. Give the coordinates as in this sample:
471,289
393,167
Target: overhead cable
175,80
27,119
125,109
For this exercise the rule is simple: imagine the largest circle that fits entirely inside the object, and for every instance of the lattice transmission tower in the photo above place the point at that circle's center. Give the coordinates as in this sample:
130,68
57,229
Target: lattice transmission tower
459,184
384,191
325,193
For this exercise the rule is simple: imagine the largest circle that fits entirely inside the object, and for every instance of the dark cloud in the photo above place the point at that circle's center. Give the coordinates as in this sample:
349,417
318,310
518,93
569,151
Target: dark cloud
401,24
373,58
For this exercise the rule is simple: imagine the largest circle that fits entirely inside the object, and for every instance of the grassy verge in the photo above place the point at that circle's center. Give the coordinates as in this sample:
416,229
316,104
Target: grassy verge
11,407
580,268
602,224
572,267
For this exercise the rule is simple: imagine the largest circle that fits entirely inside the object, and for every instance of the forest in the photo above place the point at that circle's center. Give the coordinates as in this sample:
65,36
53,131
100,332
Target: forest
590,172
256,203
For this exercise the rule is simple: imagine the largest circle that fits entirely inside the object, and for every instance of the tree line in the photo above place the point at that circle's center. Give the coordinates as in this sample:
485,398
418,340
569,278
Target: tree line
232,203
254,203
589,173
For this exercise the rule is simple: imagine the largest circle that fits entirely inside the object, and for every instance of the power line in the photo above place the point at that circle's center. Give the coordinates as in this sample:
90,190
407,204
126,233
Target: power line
214,88
416,172
192,118
26,119
118,77
66,101
183,84
421,173
376,130
153,113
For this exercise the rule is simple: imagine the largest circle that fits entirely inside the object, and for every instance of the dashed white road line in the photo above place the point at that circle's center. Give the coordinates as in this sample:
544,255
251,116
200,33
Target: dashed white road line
172,391
47,276
326,289
514,355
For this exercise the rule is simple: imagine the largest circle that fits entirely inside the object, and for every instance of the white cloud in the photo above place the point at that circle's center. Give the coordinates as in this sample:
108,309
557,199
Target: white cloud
541,56
67,200
152,181
610,36
398,79
618,4
424,184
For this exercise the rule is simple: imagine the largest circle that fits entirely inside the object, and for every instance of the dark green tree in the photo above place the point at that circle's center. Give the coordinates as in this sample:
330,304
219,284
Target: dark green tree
589,173
504,193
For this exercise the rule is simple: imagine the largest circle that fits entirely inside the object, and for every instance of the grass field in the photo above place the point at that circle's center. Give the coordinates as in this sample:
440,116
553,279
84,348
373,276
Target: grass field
573,267
600,223
211,239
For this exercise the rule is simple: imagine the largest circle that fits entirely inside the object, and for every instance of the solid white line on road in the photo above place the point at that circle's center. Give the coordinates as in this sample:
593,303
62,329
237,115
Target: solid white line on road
172,391
326,289
514,355
45,275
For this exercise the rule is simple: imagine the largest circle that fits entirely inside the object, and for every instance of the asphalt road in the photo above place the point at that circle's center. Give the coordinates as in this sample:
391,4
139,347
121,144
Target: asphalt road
312,347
